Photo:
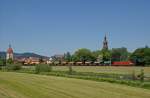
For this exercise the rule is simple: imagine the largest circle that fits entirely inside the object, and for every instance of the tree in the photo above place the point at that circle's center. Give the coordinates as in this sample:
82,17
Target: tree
141,56
4,62
75,58
68,57
84,55
142,75
120,54
10,61
41,60
106,55
1,61
96,53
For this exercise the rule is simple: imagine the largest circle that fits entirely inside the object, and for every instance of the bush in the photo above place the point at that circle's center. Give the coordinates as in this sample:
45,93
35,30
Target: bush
10,61
133,75
13,67
70,69
142,75
43,68
145,85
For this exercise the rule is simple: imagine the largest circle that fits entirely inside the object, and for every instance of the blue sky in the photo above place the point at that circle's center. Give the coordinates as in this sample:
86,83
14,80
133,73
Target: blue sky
50,27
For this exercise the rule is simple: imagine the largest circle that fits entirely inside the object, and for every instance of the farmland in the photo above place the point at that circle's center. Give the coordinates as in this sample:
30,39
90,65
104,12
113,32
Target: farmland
102,69
22,85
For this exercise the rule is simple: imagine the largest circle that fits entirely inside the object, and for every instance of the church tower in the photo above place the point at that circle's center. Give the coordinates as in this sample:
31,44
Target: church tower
9,54
105,43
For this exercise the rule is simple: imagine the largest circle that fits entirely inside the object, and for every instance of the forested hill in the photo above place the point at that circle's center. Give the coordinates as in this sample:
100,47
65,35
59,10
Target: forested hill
23,55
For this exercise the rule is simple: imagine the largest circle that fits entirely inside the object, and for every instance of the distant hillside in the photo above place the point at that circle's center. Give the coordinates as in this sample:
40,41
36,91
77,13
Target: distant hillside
23,55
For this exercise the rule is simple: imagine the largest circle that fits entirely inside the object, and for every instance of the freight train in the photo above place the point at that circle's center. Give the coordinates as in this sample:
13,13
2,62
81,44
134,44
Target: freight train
89,63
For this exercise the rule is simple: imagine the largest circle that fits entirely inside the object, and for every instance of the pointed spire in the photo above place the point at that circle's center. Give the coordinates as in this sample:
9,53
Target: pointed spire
105,43
105,38
9,45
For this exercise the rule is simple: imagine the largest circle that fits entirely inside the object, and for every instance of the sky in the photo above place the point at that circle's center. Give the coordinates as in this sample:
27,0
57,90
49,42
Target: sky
49,27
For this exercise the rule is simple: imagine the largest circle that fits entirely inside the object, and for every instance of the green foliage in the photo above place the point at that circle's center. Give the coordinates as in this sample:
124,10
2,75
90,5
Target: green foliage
141,56
10,61
70,69
2,62
120,54
84,55
106,54
96,53
75,58
133,75
43,68
147,60
13,67
68,57
142,75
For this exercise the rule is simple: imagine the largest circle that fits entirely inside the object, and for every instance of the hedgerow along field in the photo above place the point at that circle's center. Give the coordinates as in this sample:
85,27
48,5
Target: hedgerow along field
102,69
23,85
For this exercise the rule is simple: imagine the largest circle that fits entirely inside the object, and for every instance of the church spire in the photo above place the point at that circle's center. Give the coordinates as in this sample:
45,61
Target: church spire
105,43
9,45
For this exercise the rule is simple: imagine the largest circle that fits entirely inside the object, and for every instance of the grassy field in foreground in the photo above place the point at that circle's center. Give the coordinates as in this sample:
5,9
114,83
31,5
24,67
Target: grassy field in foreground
22,85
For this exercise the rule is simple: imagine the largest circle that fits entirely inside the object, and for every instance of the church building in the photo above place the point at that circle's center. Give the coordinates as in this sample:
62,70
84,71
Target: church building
9,54
105,43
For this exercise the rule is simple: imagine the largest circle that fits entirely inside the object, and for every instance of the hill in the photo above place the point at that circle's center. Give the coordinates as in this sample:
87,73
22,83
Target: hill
23,55
22,85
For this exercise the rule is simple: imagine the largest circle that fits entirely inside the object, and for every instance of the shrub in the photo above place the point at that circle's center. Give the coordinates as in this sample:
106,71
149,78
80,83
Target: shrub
133,75
43,68
70,71
142,75
13,67
10,61
146,85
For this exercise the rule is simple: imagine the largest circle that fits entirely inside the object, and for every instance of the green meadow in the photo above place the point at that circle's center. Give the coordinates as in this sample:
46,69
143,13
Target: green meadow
101,69
105,69
23,85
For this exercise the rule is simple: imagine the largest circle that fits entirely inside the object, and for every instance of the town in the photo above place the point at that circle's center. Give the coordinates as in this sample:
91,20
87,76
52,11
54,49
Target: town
114,57
74,48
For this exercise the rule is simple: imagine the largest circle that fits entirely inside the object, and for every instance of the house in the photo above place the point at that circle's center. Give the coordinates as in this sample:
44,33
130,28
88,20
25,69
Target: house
32,60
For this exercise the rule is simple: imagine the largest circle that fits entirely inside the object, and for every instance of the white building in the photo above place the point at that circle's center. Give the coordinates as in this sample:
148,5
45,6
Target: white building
50,61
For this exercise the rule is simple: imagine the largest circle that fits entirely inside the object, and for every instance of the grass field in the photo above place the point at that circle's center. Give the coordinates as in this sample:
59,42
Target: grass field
22,85
102,69
105,69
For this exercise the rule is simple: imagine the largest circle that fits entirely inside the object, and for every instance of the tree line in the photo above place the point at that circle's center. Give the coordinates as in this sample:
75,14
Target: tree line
140,56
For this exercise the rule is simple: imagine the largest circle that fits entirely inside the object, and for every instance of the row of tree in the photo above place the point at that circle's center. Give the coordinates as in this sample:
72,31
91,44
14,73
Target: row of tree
4,62
140,56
